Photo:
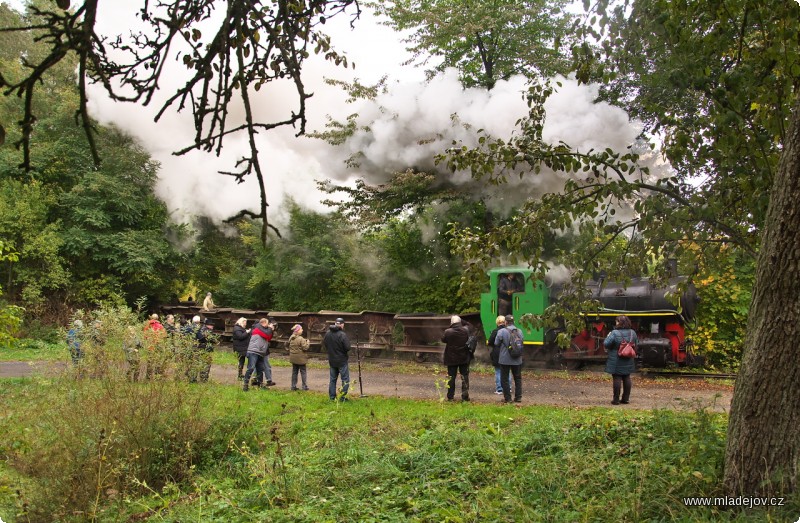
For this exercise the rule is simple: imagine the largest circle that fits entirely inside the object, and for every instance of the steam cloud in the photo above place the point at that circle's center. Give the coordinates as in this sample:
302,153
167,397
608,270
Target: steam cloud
409,125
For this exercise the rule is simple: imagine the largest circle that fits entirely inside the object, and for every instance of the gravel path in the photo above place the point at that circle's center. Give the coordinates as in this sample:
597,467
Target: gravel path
576,389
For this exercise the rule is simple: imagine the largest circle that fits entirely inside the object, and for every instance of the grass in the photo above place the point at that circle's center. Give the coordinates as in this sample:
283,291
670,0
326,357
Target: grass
35,350
283,456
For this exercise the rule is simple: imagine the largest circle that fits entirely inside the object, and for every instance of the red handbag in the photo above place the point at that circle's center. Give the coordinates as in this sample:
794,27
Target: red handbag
626,348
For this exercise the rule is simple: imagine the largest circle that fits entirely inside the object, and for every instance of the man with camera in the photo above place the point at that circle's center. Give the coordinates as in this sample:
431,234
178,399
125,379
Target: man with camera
258,354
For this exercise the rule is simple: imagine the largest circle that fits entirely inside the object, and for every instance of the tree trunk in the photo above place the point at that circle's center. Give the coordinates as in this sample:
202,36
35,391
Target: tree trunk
763,444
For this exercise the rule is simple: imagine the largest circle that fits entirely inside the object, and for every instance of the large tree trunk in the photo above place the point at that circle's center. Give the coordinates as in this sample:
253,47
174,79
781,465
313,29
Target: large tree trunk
763,446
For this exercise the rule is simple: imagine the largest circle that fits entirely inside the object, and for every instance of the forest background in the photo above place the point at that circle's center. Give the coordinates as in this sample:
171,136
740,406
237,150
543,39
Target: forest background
711,180
75,235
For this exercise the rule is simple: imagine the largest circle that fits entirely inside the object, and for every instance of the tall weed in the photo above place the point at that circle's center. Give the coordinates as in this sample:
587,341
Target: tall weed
124,419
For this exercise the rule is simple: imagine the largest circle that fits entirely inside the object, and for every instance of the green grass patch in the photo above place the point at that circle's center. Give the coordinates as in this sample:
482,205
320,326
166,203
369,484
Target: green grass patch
28,349
283,456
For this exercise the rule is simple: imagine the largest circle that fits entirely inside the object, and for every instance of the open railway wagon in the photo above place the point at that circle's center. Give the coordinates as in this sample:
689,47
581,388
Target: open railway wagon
659,324
371,333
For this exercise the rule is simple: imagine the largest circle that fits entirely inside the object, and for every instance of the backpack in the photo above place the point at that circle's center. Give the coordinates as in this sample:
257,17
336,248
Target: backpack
515,345
472,344
626,348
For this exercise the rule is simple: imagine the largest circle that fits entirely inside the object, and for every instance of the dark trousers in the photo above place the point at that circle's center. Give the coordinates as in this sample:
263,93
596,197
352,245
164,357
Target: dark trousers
516,371
622,381
302,370
503,307
255,363
242,360
335,372
452,370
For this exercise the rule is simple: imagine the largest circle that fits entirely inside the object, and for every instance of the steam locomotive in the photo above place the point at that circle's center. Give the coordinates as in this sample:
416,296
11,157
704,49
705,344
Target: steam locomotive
659,324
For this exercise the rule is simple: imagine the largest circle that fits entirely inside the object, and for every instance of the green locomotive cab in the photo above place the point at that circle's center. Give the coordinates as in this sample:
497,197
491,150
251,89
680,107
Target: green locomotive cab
518,295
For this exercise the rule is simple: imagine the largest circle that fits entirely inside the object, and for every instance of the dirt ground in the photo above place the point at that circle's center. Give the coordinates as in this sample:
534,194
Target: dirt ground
576,389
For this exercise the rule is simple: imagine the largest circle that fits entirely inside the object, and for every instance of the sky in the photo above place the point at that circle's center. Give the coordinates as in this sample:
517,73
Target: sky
410,124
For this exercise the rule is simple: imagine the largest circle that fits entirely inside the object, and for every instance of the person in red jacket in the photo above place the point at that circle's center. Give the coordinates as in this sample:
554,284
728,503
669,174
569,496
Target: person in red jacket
154,332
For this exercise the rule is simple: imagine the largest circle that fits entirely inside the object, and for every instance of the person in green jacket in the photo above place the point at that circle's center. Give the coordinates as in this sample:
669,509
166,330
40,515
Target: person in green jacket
298,356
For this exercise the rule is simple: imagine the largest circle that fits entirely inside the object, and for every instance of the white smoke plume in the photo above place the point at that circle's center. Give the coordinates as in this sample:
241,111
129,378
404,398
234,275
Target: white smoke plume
412,123
409,125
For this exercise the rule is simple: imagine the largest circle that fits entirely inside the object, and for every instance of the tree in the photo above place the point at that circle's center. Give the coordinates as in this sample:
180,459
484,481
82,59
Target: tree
82,233
727,81
253,44
762,456
485,40
717,93
10,315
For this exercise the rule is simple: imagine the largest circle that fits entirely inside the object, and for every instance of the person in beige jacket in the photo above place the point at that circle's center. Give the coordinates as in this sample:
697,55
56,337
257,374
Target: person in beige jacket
298,355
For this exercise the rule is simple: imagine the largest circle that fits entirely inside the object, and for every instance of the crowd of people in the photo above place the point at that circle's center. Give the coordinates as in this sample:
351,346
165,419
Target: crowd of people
507,362
150,347
252,346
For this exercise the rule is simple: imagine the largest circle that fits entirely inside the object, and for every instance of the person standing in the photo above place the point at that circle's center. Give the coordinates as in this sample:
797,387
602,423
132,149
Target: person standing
205,346
256,352
154,333
456,357
509,363
267,333
170,325
208,303
131,343
337,345
494,352
298,356
74,341
241,339
620,368
506,288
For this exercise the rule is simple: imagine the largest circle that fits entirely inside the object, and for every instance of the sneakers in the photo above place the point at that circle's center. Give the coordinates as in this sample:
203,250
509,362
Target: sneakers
498,392
270,383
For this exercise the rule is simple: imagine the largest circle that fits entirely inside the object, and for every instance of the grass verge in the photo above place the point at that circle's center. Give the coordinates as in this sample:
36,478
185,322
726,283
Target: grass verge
283,456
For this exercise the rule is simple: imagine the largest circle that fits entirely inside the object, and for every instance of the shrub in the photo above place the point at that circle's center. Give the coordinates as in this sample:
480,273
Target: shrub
126,422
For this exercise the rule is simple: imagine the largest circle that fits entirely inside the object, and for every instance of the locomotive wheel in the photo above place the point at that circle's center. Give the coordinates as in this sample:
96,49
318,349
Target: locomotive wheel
571,364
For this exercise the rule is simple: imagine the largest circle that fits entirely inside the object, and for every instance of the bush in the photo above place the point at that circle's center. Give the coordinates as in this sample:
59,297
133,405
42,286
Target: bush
126,422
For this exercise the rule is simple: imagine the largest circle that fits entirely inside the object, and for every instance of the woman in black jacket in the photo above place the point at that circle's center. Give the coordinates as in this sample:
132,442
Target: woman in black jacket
241,338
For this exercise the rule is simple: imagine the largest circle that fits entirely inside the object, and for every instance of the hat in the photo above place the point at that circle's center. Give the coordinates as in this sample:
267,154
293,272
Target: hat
196,319
509,318
209,321
296,327
340,321
455,319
